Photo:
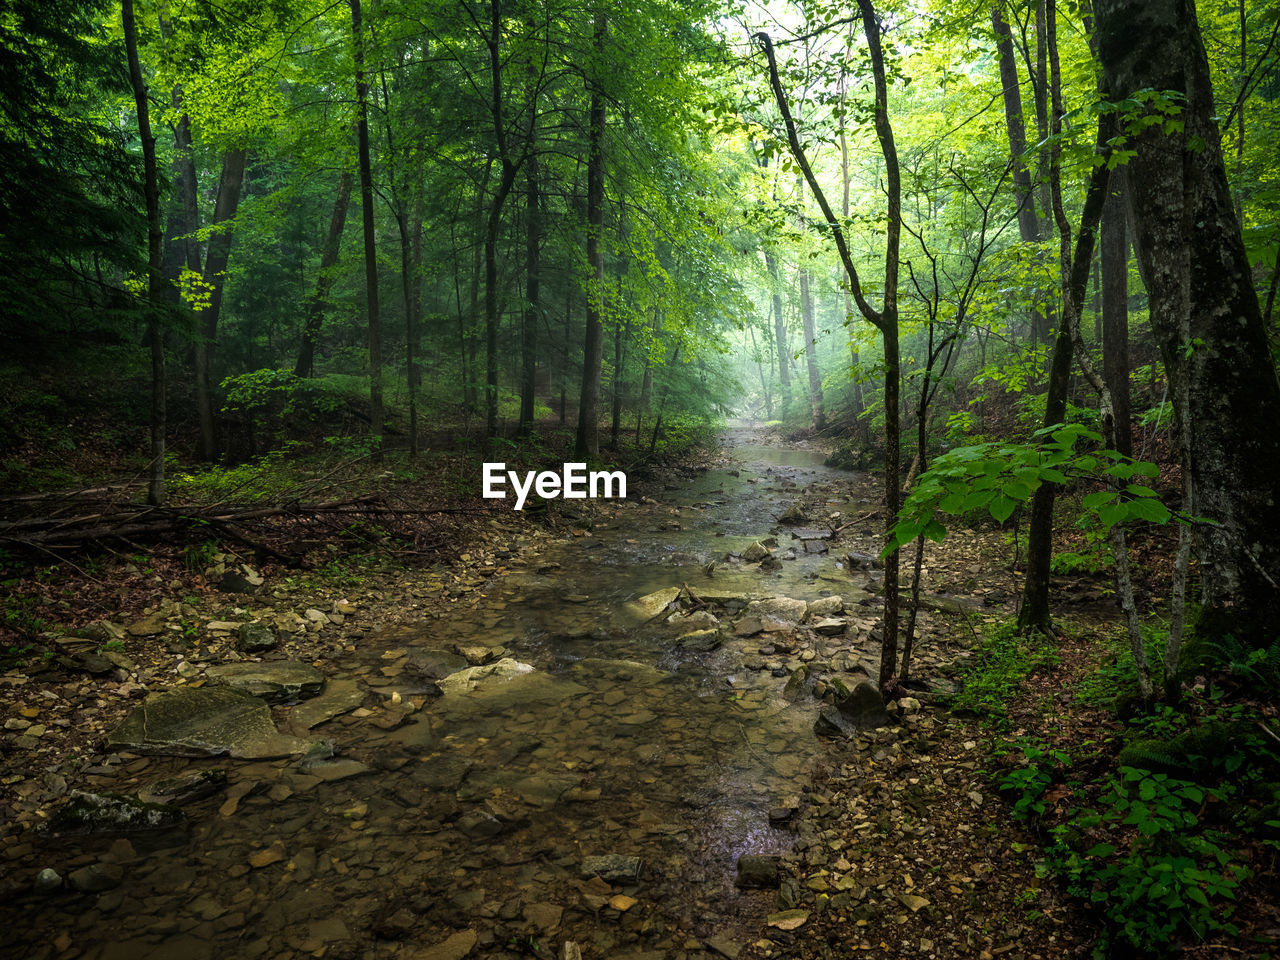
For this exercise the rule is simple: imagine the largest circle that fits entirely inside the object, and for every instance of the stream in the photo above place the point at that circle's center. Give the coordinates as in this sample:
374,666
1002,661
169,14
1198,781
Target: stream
467,824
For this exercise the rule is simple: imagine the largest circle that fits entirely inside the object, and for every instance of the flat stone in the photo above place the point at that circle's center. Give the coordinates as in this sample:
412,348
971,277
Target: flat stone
264,858
275,680
455,948
207,721
725,947
787,919
234,582
186,787
223,626
754,553
830,626
826,607
338,697
544,916
612,868
147,626
477,655
46,882
861,708
466,681
782,610
434,664
95,813
334,770
650,605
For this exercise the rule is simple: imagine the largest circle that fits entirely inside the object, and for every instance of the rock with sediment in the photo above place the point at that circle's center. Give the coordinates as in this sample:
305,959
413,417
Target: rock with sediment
204,722
652,604
782,610
87,814
274,680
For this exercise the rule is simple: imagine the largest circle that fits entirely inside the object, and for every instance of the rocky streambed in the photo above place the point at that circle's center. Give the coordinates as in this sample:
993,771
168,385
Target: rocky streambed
603,753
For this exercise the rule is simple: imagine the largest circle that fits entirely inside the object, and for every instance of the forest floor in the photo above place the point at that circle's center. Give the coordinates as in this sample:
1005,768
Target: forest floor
903,847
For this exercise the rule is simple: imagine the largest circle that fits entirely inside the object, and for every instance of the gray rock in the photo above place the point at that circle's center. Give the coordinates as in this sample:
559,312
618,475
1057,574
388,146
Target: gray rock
826,607
770,563
611,868
234,582
478,825
650,605
815,546
94,813
257,638
275,680
332,771
204,722
700,641
185,788
759,871
830,626
777,609
96,877
433,664
466,681
755,553
799,685
861,708
794,515
338,697
46,882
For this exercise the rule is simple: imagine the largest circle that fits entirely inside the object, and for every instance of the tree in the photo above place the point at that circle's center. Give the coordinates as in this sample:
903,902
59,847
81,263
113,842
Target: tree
376,418
587,442
1204,308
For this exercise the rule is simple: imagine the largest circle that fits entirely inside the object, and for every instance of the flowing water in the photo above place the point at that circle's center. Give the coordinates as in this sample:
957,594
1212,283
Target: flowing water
472,820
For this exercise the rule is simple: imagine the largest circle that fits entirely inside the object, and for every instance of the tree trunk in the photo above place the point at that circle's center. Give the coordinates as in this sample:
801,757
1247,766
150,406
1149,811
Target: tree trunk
1114,263
533,281
1189,242
181,248
155,257
1028,224
779,328
818,415
305,367
376,418
588,440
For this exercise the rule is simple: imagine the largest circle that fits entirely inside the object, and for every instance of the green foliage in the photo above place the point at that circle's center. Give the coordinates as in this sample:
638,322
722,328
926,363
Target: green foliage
1025,784
993,676
1158,876
269,477
998,478
1255,668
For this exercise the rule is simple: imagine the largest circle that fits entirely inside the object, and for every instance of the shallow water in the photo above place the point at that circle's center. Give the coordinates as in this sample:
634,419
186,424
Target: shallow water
477,813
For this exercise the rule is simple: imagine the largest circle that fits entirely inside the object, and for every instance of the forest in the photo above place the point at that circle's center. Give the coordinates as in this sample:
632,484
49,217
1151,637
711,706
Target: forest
954,326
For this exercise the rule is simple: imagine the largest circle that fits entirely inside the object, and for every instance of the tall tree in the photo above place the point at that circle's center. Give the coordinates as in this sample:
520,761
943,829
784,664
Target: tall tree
376,419
587,442
1114,269
1204,308
155,257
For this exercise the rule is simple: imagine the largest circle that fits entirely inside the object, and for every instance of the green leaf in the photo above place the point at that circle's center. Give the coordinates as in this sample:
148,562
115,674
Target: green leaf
1113,513
1093,501
1002,508
1150,510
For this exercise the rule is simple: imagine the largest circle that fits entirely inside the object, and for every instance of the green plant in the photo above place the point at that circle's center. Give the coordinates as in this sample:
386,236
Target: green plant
115,645
1026,784
992,677
1242,664
1157,876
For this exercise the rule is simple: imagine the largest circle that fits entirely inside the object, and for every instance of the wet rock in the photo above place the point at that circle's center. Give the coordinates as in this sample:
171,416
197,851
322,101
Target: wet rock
544,916
204,722
700,641
799,685
338,697
781,610
477,656
788,919
96,878
455,948
758,871
724,947
94,813
747,627
826,607
434,664
275,680
185,788
331,771
467,681
612,868
755,553
908,706
479,825
47,881
815,546
861,708
698,620
256,638
650,605
794,514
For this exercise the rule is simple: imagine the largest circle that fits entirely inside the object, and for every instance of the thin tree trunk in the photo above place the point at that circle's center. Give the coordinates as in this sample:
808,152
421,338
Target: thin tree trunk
779,327
155,257
376,418
818,415
215,275
305,367
588,441
533,280
1114,257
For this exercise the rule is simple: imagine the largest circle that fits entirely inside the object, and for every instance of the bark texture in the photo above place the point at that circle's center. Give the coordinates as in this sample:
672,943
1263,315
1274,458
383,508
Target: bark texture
1189,243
